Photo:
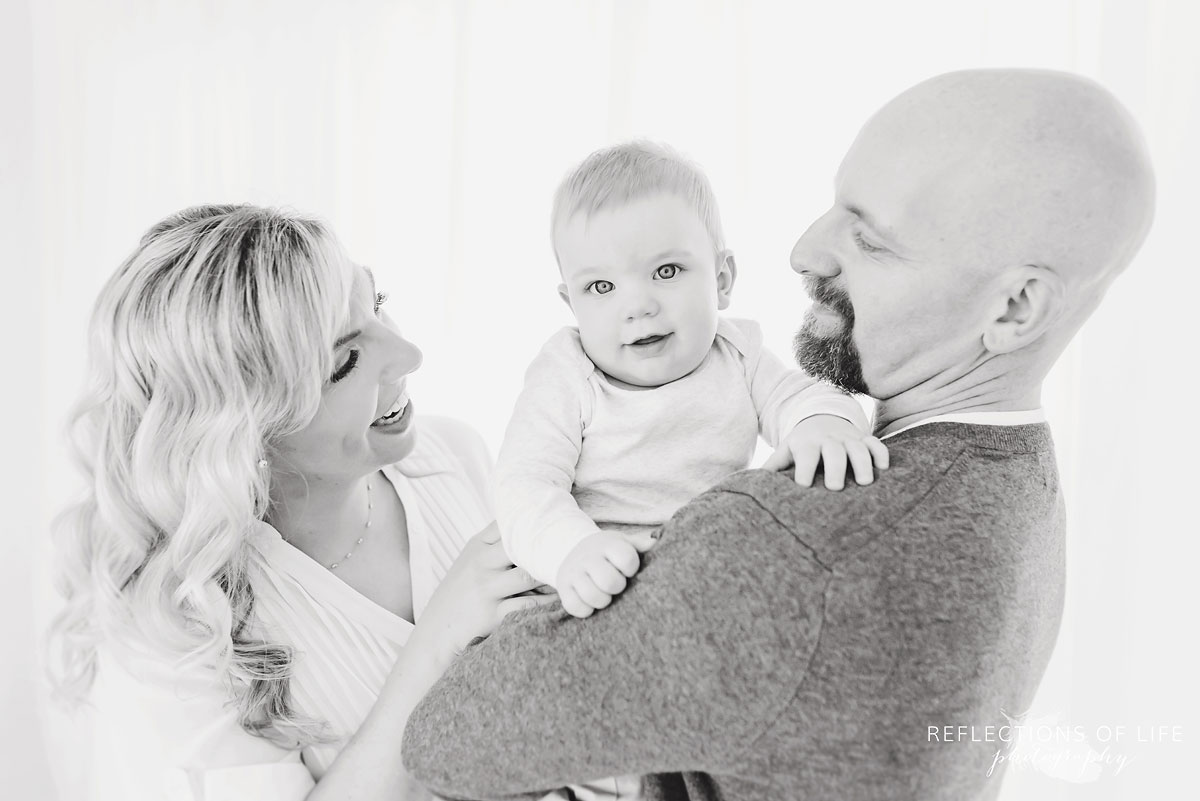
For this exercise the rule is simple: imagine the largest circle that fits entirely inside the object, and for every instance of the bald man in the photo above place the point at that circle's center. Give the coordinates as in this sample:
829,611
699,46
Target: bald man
791,643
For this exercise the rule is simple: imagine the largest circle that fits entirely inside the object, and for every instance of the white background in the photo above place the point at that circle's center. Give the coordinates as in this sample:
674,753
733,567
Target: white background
432,134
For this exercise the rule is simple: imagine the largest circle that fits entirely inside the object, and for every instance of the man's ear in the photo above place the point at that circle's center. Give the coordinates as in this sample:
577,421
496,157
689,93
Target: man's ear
726,275
566,298
1032,301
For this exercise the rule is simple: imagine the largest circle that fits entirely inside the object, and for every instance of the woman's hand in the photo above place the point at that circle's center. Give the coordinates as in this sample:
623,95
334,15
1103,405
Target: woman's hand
478,591
481,587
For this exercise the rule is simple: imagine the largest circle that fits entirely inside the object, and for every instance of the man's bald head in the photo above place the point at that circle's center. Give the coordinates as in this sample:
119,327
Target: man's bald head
1037,167
1000,204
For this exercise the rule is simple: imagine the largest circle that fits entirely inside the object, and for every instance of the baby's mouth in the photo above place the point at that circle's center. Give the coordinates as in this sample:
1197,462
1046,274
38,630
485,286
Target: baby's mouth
650,340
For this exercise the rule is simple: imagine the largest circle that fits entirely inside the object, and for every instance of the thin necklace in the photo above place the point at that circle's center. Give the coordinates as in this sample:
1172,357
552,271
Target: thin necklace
358,542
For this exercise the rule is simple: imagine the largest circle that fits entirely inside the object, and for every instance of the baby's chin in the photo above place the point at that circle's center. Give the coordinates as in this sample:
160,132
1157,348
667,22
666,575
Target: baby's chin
647,379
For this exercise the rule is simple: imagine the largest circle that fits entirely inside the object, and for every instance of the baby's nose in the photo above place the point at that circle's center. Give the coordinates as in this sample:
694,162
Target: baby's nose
641,306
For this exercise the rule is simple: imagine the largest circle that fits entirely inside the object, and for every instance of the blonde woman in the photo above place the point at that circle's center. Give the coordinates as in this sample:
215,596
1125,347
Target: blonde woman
274,558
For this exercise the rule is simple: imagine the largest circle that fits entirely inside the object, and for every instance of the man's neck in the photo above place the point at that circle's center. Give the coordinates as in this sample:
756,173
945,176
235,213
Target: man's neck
905,410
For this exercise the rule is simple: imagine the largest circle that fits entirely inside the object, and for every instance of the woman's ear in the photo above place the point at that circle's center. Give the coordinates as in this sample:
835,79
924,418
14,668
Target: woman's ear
1031,302
566,298
726,275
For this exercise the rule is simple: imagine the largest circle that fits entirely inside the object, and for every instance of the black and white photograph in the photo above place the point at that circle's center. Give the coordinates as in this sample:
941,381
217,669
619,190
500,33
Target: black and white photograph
600,400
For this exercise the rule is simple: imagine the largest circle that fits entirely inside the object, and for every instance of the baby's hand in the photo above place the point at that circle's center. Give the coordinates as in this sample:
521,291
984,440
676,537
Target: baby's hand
834,441
595,571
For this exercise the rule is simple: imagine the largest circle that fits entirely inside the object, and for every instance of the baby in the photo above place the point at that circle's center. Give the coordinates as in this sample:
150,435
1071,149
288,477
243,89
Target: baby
654,398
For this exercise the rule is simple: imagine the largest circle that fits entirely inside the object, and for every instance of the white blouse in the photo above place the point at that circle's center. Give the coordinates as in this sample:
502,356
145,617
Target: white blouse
163,734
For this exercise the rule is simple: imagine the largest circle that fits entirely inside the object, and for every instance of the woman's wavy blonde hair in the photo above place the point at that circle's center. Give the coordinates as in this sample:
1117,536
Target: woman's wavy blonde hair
213,338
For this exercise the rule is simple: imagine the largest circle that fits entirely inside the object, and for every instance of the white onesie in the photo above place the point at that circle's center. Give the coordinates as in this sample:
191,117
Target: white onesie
583,454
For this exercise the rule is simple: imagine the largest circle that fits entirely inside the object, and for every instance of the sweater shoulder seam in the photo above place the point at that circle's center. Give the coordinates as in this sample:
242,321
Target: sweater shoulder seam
913,506
773,720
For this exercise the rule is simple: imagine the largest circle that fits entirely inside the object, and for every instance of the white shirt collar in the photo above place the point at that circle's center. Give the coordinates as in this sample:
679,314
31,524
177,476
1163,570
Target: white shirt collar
1019,418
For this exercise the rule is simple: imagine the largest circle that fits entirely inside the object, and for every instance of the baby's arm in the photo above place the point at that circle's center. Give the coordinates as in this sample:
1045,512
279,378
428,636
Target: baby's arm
596,571
830,441
541,525
808,422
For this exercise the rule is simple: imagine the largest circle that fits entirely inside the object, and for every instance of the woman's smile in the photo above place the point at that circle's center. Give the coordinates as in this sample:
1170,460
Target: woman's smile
399,401
397,420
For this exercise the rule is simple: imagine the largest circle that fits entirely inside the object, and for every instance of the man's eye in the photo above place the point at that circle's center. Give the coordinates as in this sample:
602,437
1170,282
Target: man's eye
600,287
864,245
346,368
380,299
668,271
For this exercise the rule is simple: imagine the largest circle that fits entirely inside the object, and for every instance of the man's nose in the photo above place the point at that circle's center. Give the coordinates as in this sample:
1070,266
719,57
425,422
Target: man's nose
813,253
403,358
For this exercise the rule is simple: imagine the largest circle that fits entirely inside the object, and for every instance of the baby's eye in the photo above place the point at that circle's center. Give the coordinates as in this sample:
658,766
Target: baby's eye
380,299
600,287
668,271
864,245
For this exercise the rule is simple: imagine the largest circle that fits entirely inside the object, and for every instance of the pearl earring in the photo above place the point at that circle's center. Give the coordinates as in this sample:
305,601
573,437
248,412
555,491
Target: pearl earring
263,464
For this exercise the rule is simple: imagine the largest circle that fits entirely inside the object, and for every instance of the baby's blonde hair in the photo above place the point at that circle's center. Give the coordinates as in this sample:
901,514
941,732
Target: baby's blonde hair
213,338
630,171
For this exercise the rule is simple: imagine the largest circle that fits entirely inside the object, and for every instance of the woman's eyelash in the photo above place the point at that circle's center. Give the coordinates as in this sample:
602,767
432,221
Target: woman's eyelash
865,245
352,360
346,368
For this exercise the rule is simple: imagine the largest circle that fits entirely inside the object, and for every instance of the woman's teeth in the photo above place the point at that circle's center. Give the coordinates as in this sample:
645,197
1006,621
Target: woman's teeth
393,413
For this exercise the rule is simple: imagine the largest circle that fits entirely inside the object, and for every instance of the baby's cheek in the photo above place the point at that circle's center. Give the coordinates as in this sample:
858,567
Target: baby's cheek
597,343
594,327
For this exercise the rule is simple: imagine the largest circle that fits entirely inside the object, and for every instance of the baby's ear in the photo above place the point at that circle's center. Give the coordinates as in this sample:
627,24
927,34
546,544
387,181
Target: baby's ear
726,275
566,298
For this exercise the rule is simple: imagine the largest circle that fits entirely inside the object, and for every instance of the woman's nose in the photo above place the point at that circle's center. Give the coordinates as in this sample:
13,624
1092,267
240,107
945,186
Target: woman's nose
403,358
813,254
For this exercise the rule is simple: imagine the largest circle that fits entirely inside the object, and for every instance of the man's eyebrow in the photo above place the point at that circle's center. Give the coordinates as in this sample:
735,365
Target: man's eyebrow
872,223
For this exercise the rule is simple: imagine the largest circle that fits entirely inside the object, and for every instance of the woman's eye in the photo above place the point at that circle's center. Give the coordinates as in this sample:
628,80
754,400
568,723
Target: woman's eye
668,271
380,299
600,287
346,368
864,245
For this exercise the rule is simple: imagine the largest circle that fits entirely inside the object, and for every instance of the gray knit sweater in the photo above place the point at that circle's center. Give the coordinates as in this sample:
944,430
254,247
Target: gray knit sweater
782,642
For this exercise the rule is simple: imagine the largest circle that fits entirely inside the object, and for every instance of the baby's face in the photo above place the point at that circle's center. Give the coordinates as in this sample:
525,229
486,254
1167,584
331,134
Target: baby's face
645,284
